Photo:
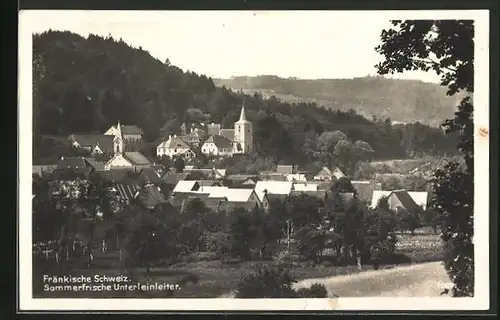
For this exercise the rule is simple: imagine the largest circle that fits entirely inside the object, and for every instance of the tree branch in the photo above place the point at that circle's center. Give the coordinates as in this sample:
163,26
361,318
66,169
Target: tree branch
430,61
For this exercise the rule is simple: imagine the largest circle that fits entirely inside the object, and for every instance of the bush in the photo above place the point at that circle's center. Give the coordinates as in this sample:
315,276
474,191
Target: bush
267,282
315,291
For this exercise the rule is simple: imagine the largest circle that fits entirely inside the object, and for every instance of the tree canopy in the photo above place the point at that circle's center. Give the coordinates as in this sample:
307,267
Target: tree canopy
447,47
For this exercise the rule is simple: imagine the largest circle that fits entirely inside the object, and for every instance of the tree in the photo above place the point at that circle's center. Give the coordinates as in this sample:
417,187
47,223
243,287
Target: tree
243,234
148,242
447,47
325,146
179,164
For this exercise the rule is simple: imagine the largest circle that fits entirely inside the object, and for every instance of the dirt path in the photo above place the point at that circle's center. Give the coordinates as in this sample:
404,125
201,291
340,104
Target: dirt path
420,280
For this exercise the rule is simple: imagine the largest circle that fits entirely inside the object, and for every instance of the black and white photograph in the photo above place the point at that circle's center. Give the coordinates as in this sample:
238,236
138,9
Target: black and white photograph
253,160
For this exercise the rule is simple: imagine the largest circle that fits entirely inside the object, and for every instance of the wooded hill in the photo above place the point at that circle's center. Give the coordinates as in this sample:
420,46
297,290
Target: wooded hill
400,100
88,84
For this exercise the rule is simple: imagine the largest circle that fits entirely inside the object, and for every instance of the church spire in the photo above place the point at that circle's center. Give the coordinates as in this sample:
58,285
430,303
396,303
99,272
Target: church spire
119,130
243,117
118,140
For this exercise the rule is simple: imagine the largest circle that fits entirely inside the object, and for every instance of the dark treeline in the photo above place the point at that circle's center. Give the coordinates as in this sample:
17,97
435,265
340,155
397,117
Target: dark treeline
88,84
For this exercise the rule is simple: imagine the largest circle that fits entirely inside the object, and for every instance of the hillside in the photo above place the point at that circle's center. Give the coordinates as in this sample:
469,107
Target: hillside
87,84
400,100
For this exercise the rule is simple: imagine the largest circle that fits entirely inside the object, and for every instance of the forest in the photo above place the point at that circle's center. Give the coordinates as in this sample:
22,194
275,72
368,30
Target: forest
401,100
87,84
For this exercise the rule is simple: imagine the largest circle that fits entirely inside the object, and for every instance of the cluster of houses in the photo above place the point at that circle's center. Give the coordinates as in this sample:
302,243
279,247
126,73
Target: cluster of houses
153,185
134,176
211,139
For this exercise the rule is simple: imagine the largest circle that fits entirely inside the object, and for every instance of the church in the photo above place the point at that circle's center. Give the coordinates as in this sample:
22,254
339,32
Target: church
220,142
123,159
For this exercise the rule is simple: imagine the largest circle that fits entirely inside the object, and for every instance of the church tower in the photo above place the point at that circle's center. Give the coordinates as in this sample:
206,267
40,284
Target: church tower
243,135
118,140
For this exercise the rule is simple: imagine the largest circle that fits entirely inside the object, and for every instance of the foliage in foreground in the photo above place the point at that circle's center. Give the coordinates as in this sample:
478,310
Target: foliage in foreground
446,47
275,282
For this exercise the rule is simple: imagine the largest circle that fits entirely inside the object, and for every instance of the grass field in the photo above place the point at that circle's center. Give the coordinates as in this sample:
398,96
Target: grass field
209,279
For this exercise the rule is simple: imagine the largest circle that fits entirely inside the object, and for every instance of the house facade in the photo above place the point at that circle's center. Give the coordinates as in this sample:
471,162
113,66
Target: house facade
217,145
174,146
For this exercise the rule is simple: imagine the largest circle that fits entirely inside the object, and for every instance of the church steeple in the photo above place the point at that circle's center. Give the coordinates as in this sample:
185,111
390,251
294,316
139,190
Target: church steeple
243,118
118,140
119,130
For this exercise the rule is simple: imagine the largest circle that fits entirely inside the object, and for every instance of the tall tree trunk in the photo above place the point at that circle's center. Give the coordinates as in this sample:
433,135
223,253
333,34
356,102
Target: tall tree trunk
89,246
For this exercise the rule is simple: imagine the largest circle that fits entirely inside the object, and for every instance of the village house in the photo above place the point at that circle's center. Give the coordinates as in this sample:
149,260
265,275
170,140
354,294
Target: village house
43,169
213,173
279,188
285,169
241,181
128,132
296,177
227,133
217,145
272,176
326,174
408,200
195,137
186,186
305,186
150,196
174,146
93,143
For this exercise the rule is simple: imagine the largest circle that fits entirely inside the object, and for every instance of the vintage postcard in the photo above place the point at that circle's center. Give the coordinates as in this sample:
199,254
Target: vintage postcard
253,160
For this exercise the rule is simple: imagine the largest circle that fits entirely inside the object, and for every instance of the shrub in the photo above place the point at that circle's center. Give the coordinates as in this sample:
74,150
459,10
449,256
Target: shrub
267,282
315,291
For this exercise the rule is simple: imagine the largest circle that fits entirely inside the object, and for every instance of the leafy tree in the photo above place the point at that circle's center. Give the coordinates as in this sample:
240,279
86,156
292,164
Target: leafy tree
325,146
149,242
242,234
310,242
447,47
179,164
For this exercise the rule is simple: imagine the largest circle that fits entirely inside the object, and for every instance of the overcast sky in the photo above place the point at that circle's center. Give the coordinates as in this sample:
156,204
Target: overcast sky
222,44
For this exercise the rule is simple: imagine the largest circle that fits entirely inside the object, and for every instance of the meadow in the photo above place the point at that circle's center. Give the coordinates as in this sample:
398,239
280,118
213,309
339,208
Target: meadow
201,276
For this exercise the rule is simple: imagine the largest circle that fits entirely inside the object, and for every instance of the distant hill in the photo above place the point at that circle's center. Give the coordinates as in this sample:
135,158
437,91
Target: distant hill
400,100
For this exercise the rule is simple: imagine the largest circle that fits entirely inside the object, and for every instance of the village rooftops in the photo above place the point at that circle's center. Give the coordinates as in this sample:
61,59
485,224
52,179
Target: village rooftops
227,133
174,142
136,158
129,129
104,142
72,163
173,178
186,186
274,187
305,186
285,169
220,142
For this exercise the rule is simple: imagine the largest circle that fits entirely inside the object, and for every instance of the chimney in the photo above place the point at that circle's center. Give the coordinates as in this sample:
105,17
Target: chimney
169,136
62,158
175,135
